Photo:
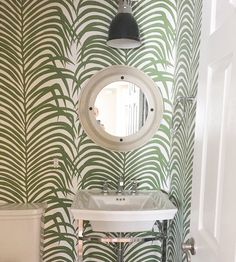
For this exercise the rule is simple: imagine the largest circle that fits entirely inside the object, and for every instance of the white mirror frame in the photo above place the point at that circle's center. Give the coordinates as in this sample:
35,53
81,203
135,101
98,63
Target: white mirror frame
88,97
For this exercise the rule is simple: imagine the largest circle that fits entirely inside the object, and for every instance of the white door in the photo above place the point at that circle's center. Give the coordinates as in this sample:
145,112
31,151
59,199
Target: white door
213,219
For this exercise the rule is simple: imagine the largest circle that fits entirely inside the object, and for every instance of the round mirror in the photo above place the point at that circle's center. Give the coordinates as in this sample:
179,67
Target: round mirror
120,108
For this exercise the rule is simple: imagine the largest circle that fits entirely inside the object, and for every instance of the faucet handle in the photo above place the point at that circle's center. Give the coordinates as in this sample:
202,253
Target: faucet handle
135,184
105,186
135,181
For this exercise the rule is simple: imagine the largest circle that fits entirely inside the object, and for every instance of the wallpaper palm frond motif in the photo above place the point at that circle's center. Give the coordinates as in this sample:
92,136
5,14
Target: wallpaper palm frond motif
182,146
35,114
48,51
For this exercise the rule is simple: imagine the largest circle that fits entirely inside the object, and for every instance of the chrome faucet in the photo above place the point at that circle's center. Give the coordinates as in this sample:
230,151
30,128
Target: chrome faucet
120,188
105,187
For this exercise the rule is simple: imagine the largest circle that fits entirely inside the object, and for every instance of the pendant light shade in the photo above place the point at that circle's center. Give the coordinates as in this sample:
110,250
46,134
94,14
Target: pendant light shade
124,31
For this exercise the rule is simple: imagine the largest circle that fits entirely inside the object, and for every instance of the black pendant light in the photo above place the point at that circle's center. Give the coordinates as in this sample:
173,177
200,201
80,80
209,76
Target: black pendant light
124,31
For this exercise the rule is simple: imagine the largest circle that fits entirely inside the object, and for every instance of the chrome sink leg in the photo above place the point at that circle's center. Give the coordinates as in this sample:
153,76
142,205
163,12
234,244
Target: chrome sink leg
120,250
80,242
120,254
164,240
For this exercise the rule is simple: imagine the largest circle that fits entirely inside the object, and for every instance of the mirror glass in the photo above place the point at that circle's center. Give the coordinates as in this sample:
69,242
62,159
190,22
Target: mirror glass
121,108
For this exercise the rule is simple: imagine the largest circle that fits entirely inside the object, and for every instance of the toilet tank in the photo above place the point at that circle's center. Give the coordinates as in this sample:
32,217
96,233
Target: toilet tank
20,232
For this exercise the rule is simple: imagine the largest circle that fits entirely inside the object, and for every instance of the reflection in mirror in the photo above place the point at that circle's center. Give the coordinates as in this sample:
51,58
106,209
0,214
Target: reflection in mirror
121,108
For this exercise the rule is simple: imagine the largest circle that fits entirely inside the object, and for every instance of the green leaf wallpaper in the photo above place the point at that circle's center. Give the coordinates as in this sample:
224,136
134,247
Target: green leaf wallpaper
188,32
48,50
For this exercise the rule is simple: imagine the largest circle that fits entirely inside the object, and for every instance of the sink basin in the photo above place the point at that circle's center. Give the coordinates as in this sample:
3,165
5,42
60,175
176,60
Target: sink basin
122,213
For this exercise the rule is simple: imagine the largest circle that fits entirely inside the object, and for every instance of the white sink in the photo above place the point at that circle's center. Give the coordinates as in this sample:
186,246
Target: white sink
122,213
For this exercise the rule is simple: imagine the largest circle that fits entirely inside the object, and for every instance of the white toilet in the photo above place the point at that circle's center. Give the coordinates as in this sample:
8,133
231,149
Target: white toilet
20,232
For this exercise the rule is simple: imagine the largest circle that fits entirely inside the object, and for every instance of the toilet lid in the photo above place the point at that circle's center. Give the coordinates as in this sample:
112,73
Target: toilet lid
21,209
